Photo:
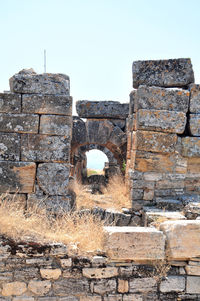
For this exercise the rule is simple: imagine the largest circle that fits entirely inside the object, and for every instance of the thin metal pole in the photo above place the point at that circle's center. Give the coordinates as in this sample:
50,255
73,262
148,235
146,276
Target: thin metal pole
45,61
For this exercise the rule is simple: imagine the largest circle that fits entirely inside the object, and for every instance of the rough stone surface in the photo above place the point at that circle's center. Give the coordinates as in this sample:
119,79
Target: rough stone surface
193,270
47,104
173,284
195,98
39,287
19,123
102,109
44,148
53,178
143,285
16,288
132,100
155,98
123,286
131,123
9,147
108,272
79,133
161,121
104,286
190,147
193,285
10,103
163,73
17,176
134,243
28,82
56,125
70,286
194,124
50,273
182,237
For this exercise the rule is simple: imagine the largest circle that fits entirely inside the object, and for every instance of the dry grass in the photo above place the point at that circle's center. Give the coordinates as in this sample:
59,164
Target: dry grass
79,232
91,172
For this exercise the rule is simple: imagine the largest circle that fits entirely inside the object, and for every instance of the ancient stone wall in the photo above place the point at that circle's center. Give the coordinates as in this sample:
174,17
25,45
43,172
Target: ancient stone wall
35,138
163,152
139,264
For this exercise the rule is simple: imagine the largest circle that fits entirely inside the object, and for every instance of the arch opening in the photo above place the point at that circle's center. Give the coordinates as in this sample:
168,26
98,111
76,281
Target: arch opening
97,161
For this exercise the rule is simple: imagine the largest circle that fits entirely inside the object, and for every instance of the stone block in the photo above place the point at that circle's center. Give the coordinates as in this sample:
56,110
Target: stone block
123,286
155,98
142,285
102,109
194,99
190,147
193,285
53,178
50,273
166,184
163,73
107,272
193,270
154,141
132,99
104,286
66,263
173,284
17,176
44,148
19,123
79,133
132,297
9,147
15,288
39,287
10,103
182,237
56,125
113,298
153,216
117,137
70,286
90,298
99,131
47,104
134,243
194,124
25,298
29,82
161,121
131,123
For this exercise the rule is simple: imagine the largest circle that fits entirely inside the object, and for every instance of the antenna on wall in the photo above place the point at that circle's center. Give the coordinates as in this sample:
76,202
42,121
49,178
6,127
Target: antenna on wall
45,61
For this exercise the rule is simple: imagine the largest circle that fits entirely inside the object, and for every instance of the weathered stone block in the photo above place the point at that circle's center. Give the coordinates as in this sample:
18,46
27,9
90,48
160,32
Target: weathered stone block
155,98
47,104
15,288
53,178
107,272
9,147
113,298
154,141
195,99
161,121
17,176
25,298
131,123
68,286
173,284
134,243
163,73
142,285
79,133
132,100
193,285
90,298
19,123
26,273
39,287
50,273
123,286
99,131
193,270
183,239
56,125
193,165
194,124
44,148
104,286
190,146
29,82
10,103
117,137
132,297
102,109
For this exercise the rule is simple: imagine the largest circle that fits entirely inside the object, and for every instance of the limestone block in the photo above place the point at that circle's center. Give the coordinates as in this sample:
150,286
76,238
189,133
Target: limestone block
56,125
107,272
155,98
121,123
123,286
39,287
47,104
16,288
117,137
193,285
25,298
70,286
29,82
154,141
90,298
24,274
182,237
113,298
132,297
131,123
172,284
161,121
104,286
9,147
163,73
195,99
190,146
134,243
53,178
156,216
65,263
194,124
102,109
166,184
10,103
132,97
17,176
19,123
193,270
142,285
79,134
50,273
44,148
99,131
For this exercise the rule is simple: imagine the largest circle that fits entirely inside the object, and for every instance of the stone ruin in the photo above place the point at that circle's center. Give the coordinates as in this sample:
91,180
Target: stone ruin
41,145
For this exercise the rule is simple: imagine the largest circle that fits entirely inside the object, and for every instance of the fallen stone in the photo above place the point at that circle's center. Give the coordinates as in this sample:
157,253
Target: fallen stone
102,109
172,284
10,103
161,121
19,123
163,73
190,147
155,98
195,99
29,82
134,243
9,147
182,237
194,124
56,125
